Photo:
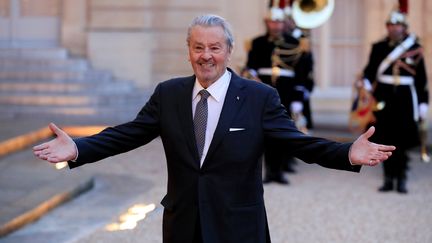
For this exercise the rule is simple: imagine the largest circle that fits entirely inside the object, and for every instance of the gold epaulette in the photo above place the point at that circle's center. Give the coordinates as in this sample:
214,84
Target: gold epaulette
304,44
248,45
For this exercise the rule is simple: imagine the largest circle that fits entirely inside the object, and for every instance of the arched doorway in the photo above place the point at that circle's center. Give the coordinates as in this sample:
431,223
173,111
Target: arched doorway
29,23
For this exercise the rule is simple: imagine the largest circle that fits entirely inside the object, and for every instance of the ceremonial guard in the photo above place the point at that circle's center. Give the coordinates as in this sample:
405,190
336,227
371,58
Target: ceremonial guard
281,59
396,76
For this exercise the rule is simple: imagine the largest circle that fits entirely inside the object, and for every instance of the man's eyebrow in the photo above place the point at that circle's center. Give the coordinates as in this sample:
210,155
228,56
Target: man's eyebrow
215,44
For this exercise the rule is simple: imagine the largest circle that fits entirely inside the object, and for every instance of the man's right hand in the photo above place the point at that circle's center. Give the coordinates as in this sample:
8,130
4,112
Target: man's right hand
60,149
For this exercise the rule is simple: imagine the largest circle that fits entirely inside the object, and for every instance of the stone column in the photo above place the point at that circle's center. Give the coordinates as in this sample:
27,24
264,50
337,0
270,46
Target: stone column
247,20
427,37
73,26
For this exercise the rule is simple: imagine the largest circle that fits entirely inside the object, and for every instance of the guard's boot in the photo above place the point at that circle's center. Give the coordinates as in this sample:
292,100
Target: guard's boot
401,185
288,165
387,186
275,177
289,168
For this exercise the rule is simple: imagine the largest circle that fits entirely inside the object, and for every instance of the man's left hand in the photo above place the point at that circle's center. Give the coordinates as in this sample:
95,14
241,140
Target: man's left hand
364,152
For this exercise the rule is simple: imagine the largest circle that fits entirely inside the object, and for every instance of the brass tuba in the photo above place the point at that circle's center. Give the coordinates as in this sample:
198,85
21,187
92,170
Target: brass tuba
309,14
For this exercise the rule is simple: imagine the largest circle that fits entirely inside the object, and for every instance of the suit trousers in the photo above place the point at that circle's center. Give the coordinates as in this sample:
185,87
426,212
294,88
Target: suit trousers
273,159
397,165
198,234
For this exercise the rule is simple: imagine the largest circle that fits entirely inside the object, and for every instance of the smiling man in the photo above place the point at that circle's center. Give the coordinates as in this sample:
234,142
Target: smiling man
213,125
209,53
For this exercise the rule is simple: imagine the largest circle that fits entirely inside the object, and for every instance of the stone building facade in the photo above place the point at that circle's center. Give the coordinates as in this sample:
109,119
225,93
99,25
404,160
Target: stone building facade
144,40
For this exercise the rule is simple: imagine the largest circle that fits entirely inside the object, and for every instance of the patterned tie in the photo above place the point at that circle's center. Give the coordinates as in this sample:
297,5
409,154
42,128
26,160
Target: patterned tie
200,120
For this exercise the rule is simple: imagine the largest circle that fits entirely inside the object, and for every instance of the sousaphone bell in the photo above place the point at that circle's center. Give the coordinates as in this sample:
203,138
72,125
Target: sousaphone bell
309,14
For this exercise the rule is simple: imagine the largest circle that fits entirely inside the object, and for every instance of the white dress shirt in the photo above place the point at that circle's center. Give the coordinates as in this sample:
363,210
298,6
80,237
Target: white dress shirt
215,103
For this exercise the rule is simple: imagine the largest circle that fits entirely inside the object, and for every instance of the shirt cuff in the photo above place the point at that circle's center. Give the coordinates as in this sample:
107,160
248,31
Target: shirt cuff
76,151
349,155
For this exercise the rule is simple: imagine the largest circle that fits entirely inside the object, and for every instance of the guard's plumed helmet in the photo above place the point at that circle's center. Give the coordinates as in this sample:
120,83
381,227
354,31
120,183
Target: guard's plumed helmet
399,16
279,10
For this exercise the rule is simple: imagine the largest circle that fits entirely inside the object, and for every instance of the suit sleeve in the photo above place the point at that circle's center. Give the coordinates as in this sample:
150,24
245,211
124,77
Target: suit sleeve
278,126
303,70
121,138
252,61
371,68
421,82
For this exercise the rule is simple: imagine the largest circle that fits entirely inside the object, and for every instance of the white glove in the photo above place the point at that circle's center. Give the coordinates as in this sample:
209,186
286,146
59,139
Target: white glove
423,110
367,84
296,107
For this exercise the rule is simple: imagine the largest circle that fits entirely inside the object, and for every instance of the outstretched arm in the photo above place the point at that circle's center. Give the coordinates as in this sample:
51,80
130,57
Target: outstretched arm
364,152
60,149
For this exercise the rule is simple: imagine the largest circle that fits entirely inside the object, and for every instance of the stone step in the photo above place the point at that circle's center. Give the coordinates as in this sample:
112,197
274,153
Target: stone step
71,100
33,53
43,64
76,115
59,75
47,82
86,110
24,88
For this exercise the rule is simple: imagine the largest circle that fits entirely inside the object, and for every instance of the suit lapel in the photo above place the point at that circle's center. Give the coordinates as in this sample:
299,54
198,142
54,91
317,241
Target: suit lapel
184,112
233,101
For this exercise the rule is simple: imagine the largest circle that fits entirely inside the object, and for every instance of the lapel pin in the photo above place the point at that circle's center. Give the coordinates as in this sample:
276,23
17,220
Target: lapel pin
238,98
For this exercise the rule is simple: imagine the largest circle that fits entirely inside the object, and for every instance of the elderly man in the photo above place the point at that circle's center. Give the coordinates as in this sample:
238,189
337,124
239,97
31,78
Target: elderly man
213,125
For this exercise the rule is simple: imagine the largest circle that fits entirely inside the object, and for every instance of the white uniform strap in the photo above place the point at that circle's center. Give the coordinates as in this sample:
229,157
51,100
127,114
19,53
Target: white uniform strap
396,53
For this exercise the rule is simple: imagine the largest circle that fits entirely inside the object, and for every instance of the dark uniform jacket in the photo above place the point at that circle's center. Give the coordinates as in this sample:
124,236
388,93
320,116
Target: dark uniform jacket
297,88
396,104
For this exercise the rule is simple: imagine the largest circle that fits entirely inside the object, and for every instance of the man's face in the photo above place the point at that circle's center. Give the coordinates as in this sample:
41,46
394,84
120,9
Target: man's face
209,53
275,28
396,31
290,25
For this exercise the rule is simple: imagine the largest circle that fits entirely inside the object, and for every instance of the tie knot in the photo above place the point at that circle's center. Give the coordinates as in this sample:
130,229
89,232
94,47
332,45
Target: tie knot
204,94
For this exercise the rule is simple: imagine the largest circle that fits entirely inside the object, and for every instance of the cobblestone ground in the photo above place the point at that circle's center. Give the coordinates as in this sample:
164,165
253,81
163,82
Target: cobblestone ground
320,205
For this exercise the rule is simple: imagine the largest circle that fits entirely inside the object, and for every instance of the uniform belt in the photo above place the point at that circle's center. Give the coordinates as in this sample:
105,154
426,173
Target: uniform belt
396,80
403,80
277,72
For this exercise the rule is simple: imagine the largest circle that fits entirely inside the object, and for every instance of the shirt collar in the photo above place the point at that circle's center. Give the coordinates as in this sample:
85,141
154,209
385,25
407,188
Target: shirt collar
217,90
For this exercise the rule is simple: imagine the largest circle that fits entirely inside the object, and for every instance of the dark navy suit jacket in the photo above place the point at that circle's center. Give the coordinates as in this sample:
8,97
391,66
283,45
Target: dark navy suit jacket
226,192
